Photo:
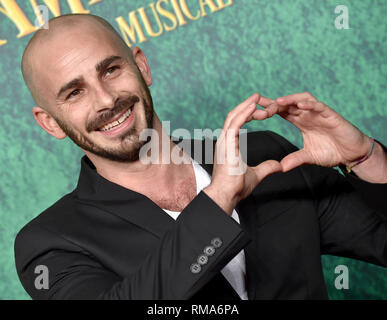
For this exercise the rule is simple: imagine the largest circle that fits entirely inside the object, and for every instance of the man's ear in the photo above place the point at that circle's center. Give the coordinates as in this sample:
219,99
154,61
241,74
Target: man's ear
48,123
142,64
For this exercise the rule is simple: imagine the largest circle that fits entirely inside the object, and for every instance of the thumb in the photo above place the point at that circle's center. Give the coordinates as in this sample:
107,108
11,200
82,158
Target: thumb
266,168
294,160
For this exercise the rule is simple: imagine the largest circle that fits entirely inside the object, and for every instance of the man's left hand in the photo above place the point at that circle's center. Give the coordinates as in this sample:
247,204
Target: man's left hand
329,139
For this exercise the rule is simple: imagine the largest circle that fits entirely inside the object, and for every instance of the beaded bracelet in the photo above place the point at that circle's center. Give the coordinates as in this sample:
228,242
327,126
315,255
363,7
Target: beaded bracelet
362,159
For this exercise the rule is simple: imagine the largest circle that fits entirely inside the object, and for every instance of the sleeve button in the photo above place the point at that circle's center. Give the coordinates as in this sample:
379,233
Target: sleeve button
195,268
216,242
209,250
202,259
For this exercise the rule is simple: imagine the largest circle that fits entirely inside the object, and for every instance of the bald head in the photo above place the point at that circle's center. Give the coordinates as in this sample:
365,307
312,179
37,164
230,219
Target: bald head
72,29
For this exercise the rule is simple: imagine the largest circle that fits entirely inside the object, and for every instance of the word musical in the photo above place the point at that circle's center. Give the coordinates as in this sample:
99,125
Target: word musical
147,21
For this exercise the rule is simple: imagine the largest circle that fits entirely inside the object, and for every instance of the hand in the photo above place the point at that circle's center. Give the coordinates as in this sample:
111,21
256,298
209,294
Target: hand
329,139
232,179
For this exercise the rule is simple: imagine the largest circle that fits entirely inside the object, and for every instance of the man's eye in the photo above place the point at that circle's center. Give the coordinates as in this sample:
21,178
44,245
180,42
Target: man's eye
74,93
111,70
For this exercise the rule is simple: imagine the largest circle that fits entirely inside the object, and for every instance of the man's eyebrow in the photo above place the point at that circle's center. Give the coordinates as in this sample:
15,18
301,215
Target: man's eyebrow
105,62
73,83
77,81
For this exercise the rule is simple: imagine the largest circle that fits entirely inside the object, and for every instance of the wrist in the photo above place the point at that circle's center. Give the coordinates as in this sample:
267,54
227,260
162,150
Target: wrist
226,202
374,169
366,155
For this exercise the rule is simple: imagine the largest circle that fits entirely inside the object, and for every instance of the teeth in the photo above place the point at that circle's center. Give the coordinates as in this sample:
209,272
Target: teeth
117,122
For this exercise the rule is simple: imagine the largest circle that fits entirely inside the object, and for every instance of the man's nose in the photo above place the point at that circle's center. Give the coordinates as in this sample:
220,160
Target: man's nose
104,98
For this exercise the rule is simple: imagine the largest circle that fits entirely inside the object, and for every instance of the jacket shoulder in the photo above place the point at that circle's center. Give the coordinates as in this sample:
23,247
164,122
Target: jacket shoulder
38,231
52,213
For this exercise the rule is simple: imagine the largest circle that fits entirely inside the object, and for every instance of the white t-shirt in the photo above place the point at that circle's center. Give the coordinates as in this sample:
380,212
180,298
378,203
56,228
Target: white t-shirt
235,270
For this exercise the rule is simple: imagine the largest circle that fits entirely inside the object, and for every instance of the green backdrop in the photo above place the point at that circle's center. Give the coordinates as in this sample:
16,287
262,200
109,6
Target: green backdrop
201,70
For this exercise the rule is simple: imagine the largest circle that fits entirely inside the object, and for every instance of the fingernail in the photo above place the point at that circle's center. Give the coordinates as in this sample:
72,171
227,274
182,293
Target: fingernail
253,105
280,99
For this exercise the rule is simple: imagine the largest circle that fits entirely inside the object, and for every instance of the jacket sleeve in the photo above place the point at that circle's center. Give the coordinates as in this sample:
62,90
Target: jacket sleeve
166,273
352,213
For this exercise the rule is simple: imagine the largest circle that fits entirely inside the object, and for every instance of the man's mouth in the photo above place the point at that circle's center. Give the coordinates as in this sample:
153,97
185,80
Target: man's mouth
117,121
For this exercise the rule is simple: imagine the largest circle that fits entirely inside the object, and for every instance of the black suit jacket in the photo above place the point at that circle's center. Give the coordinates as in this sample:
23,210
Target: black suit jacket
103,241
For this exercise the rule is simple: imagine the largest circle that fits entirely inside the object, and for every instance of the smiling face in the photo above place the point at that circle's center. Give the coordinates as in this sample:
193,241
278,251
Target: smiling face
90,87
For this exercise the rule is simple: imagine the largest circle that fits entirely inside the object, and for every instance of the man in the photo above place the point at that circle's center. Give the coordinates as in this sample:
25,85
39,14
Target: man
136,230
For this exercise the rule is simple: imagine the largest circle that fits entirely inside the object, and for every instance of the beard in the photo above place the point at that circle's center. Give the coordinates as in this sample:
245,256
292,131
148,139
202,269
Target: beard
130,143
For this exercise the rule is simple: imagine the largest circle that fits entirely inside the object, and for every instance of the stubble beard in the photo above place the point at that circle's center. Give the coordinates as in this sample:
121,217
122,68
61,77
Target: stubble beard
130,143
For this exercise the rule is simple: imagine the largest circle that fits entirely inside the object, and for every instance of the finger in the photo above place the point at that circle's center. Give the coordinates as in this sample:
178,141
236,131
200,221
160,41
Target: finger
311,105
306,105
265,102
253,99
229,138
266,168
273,107
240,119
293,110
317,106
267,113
259,114
294,160
295,98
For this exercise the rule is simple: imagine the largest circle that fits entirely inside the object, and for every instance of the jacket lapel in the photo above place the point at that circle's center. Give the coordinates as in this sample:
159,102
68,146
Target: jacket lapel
127,204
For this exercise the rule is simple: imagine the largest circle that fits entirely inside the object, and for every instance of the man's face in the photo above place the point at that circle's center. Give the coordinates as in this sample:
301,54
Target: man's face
96,93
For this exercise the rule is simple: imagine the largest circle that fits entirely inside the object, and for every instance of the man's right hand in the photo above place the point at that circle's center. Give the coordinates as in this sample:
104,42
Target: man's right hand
228,188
